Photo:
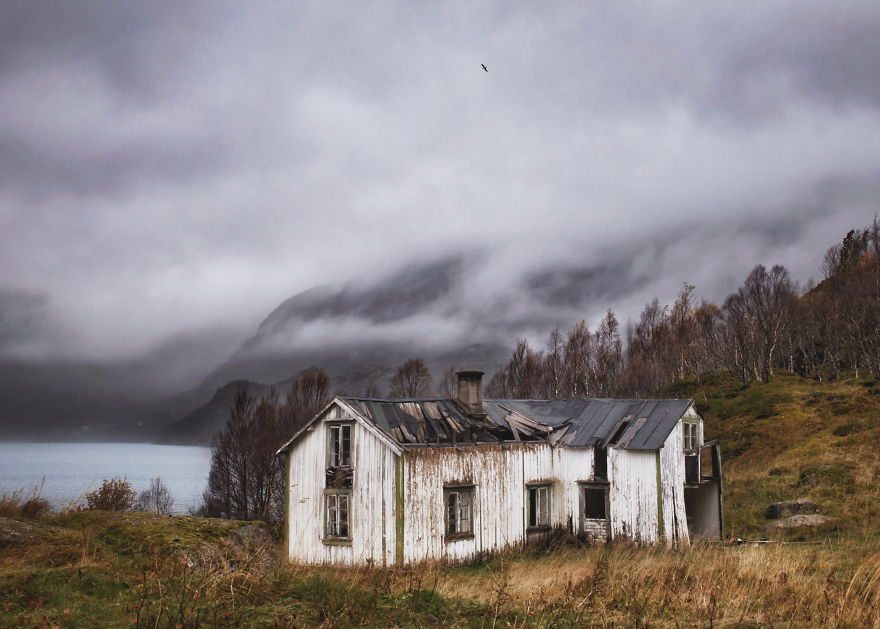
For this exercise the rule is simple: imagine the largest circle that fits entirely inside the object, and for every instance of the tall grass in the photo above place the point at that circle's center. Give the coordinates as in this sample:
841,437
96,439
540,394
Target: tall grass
112,569
23,503
706,585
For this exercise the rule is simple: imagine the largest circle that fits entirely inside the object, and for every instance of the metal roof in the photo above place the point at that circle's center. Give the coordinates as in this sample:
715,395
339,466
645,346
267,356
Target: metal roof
626,424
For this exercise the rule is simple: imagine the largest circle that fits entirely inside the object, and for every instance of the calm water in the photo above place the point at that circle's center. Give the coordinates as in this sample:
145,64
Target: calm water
72,469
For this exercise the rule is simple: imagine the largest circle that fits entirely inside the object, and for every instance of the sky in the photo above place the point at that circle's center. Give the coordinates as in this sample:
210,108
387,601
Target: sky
172,171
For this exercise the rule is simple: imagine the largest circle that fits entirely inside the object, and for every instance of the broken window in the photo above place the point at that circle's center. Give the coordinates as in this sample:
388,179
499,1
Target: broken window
539,506
600,462
340,445
594,501
691,436
459,511
337,510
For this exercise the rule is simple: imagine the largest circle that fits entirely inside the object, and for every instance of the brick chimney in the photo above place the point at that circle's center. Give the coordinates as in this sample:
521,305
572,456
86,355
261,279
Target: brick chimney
470,391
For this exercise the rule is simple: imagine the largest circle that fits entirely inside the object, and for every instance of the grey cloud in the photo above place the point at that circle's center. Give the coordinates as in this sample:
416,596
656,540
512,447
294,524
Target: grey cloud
25,323
174,166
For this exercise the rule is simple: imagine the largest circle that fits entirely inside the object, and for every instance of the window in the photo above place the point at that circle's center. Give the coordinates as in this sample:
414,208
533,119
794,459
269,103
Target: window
340,445
459,511
600,462
337,512
691,436
539,506
594,499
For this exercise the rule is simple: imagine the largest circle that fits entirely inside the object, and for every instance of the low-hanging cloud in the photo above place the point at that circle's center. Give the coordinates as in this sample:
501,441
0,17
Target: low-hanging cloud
172,168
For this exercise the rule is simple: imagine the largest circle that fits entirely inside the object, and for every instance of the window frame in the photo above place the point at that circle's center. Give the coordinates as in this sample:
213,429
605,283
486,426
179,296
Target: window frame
692,439
602,487
458,533
336,444
534,521
330,538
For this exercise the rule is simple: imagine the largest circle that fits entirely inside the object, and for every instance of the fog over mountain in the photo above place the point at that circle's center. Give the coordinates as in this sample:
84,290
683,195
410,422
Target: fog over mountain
202,191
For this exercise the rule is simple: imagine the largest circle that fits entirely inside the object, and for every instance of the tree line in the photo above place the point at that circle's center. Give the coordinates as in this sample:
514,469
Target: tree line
768,323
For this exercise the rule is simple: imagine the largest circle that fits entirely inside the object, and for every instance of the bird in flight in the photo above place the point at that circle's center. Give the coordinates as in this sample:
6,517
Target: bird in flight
484,67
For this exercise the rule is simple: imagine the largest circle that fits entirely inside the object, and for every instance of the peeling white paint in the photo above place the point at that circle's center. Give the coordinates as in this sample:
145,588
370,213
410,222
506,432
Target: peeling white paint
672,478
645,495
372,499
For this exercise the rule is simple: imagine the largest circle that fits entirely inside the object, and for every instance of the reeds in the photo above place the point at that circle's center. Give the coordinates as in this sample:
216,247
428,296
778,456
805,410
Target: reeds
23,503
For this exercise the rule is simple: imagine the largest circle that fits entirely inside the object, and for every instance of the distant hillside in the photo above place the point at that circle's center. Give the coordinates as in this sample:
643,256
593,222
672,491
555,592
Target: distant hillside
199,426
352,377
794,438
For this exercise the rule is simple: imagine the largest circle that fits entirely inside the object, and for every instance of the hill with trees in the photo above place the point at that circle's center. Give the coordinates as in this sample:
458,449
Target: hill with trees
768,323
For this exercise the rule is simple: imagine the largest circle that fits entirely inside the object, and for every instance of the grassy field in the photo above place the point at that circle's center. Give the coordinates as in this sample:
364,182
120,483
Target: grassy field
790,438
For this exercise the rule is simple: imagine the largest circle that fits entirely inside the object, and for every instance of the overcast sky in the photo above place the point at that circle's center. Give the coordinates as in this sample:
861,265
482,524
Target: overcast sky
170,168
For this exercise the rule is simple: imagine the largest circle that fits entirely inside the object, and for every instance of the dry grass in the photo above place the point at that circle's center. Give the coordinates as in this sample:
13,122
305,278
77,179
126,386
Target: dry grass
824,585
97,569
24,503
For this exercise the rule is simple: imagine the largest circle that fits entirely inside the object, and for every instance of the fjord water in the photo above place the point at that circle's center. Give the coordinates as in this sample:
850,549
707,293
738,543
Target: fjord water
73,469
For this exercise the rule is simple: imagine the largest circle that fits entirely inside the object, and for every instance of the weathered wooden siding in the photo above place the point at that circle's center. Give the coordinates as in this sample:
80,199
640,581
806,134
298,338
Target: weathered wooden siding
633,476
572,465
640,507
672,477
499,475
372,511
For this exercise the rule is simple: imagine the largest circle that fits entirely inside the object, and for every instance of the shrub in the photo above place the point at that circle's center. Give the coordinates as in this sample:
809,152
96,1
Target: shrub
115,494
826,474
157,498
19,505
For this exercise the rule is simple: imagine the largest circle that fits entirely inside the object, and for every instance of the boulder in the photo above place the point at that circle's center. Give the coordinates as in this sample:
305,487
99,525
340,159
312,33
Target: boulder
798,521
790,507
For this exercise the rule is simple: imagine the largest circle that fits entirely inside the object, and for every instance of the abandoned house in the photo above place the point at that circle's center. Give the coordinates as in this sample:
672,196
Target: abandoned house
377,481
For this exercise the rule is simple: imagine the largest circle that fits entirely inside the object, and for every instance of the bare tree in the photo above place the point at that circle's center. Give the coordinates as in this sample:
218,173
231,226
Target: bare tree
308,394
605,376
578,361
449,382
412,379
244,479
521,377
156,498
554,366
758,316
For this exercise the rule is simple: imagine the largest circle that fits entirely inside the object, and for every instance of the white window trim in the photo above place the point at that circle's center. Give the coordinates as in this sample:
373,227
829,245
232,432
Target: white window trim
331,496
543,508
464,514
692,439
335,443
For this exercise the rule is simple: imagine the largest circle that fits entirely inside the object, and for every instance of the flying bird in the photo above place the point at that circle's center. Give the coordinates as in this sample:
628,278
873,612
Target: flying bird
484,67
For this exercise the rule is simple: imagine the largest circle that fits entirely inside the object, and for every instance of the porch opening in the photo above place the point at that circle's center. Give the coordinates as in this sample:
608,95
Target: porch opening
702,494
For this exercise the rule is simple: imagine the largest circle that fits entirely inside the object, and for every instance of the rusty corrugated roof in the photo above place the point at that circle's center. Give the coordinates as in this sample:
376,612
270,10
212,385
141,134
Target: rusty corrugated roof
636,424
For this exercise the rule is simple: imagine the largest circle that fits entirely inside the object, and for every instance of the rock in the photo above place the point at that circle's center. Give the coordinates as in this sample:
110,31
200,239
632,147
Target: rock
797,521
790,507
21,532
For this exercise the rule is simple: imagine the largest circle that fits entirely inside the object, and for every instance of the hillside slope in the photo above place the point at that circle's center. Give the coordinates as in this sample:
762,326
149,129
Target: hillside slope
793,438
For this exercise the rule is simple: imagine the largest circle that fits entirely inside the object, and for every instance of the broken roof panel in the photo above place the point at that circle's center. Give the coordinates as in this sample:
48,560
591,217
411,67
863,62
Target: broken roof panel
645,424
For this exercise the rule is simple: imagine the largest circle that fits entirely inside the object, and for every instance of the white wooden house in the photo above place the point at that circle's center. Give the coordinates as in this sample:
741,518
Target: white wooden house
376,481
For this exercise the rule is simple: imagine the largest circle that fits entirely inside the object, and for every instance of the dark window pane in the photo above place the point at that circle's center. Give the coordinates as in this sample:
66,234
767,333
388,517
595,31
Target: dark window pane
345,446
594,503
533,507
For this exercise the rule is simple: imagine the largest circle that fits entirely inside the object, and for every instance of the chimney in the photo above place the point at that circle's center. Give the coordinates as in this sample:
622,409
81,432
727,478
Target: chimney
470,391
